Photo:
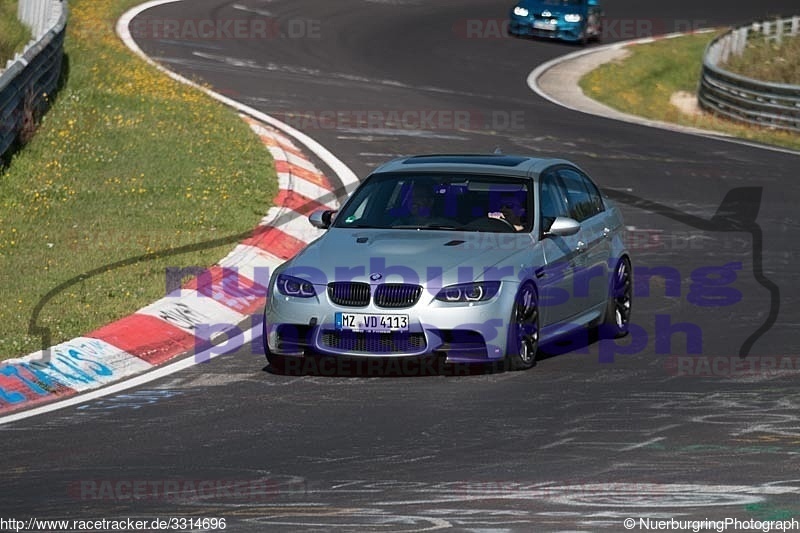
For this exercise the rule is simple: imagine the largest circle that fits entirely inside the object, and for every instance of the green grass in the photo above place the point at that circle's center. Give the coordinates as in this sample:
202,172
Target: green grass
643,82
127,163
769,60
14,35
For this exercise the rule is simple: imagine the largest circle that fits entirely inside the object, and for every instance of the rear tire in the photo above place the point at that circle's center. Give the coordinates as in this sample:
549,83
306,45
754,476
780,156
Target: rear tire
523,332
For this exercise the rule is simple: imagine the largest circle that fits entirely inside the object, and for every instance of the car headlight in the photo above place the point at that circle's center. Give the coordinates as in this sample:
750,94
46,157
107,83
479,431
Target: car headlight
572,18
292,286
521,11
469,292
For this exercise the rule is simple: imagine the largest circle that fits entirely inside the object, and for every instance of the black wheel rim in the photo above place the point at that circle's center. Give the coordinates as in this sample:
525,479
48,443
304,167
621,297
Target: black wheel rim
527,313
623,290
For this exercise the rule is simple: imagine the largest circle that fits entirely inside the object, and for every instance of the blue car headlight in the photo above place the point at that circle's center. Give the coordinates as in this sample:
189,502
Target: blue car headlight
521,11
469,292
572,18
292,286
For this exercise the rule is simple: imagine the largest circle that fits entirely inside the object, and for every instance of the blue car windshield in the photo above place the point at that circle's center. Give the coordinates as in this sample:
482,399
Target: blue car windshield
440,201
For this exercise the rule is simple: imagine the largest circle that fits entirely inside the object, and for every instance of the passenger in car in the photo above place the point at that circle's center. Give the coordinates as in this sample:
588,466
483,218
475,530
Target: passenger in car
417,206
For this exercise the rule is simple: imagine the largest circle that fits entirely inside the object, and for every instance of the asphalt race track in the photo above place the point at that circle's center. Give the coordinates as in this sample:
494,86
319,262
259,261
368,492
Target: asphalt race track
669,423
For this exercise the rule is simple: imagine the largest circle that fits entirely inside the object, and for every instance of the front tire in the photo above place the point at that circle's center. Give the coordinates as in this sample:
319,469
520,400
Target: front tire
523,332
620,299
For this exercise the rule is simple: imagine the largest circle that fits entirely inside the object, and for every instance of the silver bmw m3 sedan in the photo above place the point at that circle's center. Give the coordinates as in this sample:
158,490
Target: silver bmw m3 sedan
472,258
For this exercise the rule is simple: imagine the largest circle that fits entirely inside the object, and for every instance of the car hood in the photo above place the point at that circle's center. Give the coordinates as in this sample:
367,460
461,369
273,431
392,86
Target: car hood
409,256
555,9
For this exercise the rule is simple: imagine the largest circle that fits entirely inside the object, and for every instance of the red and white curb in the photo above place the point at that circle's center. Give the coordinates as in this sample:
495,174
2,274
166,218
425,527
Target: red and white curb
218,302
214,303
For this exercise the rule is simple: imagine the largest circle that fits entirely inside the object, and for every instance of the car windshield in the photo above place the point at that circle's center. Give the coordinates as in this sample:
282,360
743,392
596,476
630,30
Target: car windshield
434,201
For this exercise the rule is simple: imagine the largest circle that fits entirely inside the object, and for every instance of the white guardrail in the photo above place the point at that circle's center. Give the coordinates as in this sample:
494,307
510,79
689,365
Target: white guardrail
744,99
39,15
34,73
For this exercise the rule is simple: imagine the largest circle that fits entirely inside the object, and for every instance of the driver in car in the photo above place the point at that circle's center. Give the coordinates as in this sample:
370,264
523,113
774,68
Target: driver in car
511,210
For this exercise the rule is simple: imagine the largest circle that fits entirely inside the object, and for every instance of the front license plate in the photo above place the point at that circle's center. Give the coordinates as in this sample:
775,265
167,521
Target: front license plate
370,323
543,25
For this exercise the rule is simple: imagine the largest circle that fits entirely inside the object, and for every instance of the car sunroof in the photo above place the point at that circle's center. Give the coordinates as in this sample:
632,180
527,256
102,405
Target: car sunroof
501,160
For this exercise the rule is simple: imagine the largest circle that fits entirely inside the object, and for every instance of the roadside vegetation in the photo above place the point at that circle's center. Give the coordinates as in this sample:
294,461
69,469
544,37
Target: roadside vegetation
769,60
14,35
644,82
127,163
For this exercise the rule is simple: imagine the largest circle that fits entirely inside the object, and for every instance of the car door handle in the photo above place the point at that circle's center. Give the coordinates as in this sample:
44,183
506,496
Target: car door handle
581,246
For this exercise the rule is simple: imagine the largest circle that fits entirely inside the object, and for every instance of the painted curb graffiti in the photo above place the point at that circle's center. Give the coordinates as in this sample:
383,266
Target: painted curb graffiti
174,325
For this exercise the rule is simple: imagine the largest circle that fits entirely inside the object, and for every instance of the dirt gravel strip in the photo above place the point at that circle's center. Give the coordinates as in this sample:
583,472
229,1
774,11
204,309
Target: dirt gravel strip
215,303
557,81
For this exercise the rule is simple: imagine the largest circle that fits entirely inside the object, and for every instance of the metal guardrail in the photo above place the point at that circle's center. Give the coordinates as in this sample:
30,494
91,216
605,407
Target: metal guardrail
32,76
39,15
745,99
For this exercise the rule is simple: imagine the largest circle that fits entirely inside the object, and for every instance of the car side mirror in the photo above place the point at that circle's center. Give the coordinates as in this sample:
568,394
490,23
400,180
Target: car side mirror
563,227
322,219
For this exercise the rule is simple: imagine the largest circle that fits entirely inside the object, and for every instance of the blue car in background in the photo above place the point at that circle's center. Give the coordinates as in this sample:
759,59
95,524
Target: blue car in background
568,20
